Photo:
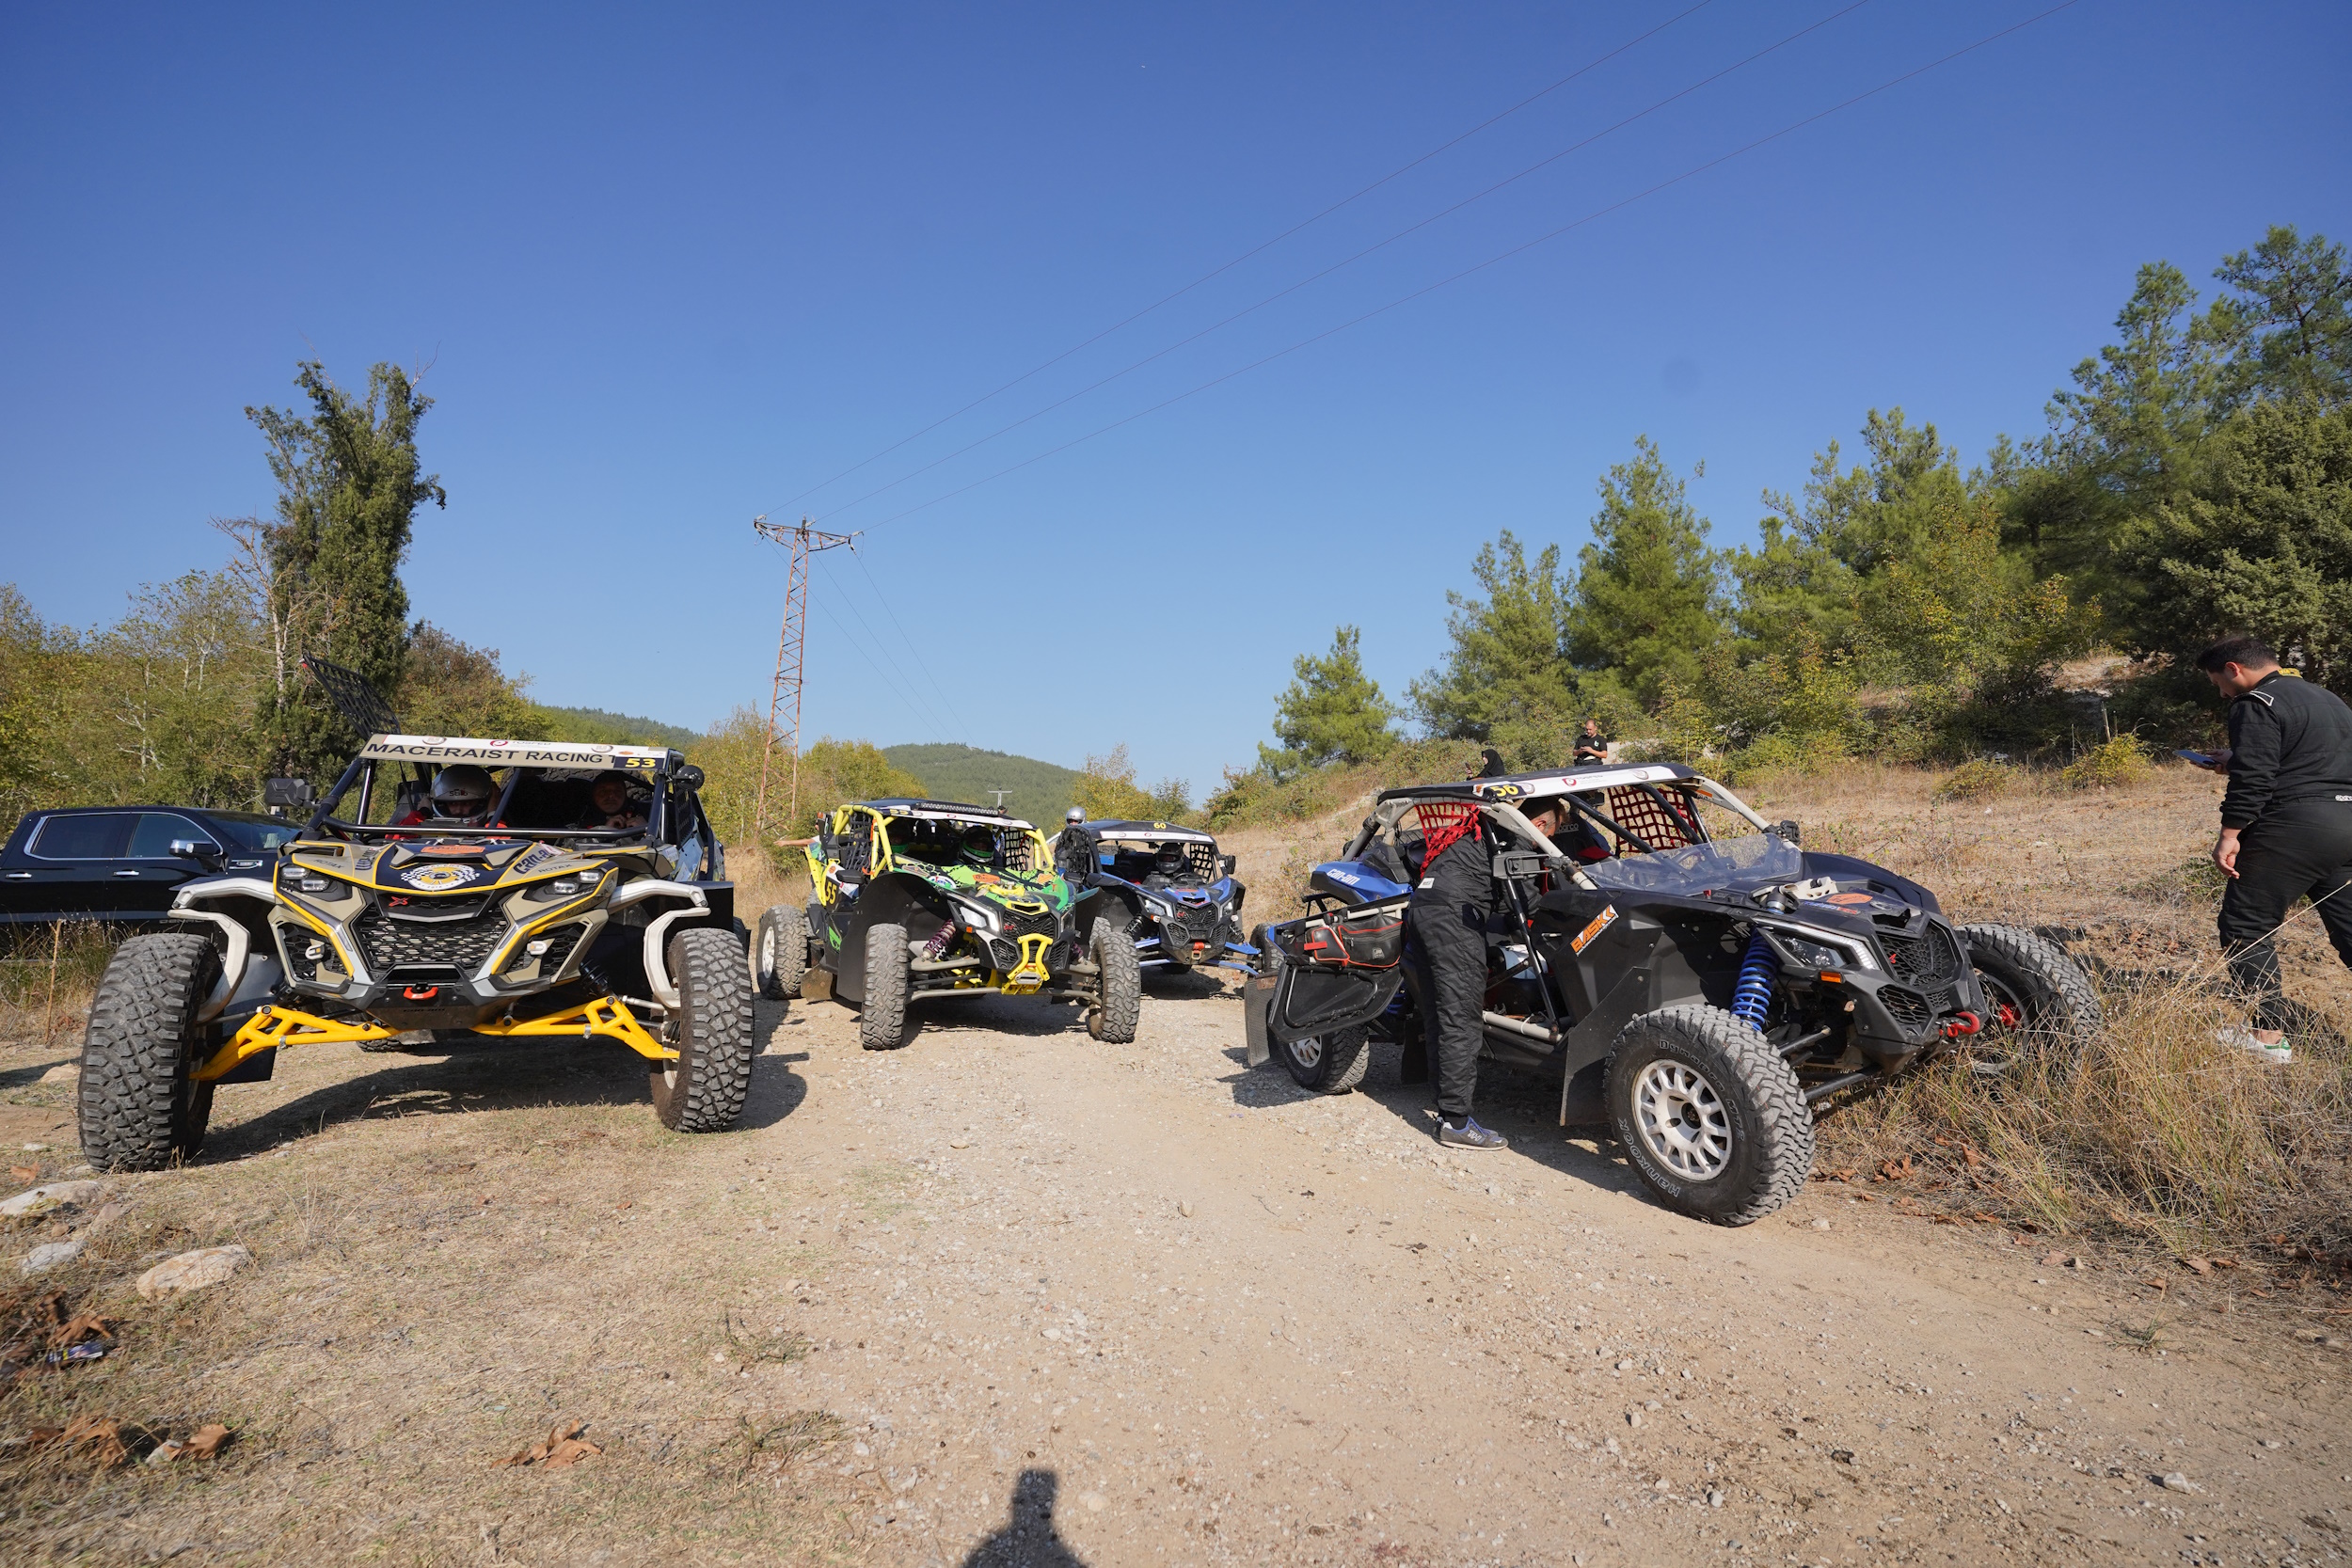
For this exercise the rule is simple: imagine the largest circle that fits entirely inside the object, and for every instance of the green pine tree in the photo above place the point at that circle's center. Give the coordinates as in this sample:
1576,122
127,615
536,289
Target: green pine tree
1508,650
1333,712
1645,607
349,485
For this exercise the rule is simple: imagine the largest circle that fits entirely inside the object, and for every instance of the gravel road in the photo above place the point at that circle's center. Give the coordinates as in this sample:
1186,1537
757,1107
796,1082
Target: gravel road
1137,1303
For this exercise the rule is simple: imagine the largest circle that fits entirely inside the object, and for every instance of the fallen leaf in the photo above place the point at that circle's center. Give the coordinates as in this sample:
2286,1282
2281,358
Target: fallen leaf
627,1203
102,1436
2197,1265
561,1447
84,1326
207,1441
24,1173
1895,1170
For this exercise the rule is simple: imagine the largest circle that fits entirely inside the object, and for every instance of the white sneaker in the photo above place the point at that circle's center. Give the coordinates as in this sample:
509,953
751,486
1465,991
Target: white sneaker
2245,1040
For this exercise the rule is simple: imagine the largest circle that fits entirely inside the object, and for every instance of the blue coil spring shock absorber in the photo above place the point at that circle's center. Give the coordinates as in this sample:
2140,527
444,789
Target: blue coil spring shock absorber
1754,993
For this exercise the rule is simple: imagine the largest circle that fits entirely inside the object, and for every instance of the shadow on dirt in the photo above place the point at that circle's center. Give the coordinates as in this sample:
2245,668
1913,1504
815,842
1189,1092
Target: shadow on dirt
1185,985
481,1074
1522,1106
1030,1540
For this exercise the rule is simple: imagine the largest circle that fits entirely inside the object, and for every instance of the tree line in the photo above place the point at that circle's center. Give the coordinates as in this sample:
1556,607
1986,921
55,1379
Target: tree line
2195,479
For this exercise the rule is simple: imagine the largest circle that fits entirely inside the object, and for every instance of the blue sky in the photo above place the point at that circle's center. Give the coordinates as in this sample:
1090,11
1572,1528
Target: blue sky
671,268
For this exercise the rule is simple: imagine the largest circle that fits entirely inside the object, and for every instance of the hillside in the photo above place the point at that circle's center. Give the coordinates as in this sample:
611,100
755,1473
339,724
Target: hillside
619,729
1038,790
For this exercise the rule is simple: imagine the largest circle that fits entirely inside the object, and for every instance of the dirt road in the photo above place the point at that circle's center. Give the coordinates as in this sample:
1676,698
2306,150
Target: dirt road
1059,1302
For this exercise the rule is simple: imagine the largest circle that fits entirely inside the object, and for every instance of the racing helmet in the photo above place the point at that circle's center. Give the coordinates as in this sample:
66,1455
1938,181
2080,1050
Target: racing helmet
461,793
1169,860
1075,815
979,844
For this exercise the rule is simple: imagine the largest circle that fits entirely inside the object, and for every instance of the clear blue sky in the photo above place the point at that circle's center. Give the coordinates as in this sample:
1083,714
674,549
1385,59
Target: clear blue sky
672,267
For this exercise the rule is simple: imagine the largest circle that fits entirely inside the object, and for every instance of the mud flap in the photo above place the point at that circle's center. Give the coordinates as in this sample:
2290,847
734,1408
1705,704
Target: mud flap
1591,1040
1257,995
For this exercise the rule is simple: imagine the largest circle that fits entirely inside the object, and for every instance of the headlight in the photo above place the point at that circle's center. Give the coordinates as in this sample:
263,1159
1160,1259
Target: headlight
1815,953
570,885
307,881
979,916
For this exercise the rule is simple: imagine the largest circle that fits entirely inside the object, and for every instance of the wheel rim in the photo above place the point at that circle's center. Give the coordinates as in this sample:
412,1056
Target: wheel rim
1682,1121
767,952
2006,1007
1308,1052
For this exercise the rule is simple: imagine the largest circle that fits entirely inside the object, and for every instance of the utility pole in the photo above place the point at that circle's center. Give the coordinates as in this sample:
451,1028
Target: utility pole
1000,795
784,697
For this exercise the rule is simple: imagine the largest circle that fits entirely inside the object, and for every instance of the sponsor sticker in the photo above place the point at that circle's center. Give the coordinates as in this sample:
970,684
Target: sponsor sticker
441,878
1598,924
1849,899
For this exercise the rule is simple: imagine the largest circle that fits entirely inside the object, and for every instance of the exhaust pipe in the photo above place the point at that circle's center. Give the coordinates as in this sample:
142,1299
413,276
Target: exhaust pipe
1509,1026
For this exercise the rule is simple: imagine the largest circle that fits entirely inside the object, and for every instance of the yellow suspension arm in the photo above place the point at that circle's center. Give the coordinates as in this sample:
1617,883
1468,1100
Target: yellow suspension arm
273,1027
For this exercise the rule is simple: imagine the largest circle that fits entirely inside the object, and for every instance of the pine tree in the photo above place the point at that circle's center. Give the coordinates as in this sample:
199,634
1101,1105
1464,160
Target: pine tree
349,486
1646,607
1333,712
1509,655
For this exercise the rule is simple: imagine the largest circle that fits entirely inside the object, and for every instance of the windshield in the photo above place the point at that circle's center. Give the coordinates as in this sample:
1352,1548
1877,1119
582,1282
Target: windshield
257,832
1751,860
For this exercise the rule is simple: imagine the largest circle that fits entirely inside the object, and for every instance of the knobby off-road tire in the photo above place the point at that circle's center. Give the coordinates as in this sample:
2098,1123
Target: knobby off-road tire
1327,1063
1712,1118
140,1105
2059,1006
2057,994
1119,1006
881,1022
780,952
703,1091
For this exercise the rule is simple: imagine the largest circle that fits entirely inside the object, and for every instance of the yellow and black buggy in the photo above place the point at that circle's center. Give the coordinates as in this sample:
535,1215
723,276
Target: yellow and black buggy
933,899
445,884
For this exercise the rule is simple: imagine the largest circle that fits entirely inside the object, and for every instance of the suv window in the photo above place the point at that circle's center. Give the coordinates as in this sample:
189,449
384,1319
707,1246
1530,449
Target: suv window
259,832
92,836
151,839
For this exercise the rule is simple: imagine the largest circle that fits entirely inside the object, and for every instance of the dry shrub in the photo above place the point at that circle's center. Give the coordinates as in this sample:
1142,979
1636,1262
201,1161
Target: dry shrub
2113,763
1978,779
758,884
48,975
2156,1129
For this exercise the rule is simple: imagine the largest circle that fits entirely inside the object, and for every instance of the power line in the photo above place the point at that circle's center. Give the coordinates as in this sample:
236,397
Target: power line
1214,273
913,651
1595,216
1350,260
916,696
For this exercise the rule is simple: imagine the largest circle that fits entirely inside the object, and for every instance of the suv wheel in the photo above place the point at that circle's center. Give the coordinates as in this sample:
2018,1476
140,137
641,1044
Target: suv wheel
703,1091
140,1105
1118,1003
1712,1119
882,1023
1327,1063
780,953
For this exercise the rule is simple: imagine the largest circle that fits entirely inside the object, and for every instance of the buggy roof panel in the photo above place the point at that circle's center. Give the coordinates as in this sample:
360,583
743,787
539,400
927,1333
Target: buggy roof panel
1518,786
1159,833
513,754
944,811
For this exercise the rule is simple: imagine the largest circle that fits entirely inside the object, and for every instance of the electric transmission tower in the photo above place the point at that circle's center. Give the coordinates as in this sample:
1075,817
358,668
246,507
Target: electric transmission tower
784,698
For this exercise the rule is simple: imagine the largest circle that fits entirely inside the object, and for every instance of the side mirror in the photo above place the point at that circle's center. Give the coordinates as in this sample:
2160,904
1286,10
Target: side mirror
201,850
1225,864
1787,832
691,776
288,792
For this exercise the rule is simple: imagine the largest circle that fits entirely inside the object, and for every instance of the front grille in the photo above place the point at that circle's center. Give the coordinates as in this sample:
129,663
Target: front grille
1923,960
1191,926
1045,924
1910,1009
463,945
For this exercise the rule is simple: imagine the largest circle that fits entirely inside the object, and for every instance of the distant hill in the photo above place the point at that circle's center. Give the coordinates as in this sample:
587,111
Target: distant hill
615,729
1039,791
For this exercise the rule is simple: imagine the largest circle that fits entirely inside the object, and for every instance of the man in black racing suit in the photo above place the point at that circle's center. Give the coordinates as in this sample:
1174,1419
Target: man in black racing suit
1453,910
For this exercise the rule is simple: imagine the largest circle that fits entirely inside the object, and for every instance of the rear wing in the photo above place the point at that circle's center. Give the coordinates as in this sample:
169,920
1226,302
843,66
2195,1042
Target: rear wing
355,696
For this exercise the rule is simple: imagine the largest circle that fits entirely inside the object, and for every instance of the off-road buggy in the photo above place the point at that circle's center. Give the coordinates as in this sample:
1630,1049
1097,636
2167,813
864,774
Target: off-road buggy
1721,980
381,920
1175,892
917,899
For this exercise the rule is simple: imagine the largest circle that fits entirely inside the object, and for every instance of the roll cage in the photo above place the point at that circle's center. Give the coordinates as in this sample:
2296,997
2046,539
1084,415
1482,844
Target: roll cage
869,838
673,808
1641,810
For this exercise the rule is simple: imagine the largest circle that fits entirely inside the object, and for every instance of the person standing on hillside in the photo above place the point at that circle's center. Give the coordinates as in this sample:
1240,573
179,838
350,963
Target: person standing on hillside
2286,823
1591,745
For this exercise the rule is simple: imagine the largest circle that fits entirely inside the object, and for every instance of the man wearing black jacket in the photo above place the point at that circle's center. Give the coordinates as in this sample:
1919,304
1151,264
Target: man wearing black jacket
2286,822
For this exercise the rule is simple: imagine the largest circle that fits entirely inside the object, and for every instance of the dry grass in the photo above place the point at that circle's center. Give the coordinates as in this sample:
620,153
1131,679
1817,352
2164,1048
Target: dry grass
47,977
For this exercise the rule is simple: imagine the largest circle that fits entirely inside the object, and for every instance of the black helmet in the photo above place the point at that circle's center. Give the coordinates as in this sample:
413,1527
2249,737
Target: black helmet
1170,859
461,793
980,844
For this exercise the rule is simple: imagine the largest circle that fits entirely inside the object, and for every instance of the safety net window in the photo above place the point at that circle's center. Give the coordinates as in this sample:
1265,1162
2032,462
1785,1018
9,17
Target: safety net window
1659,820
1437,825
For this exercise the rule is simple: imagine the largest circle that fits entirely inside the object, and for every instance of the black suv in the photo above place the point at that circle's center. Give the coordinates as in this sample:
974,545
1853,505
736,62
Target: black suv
123,863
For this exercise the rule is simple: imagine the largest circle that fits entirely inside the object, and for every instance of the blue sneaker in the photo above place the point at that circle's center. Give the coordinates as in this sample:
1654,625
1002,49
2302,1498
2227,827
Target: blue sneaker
1469,1136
